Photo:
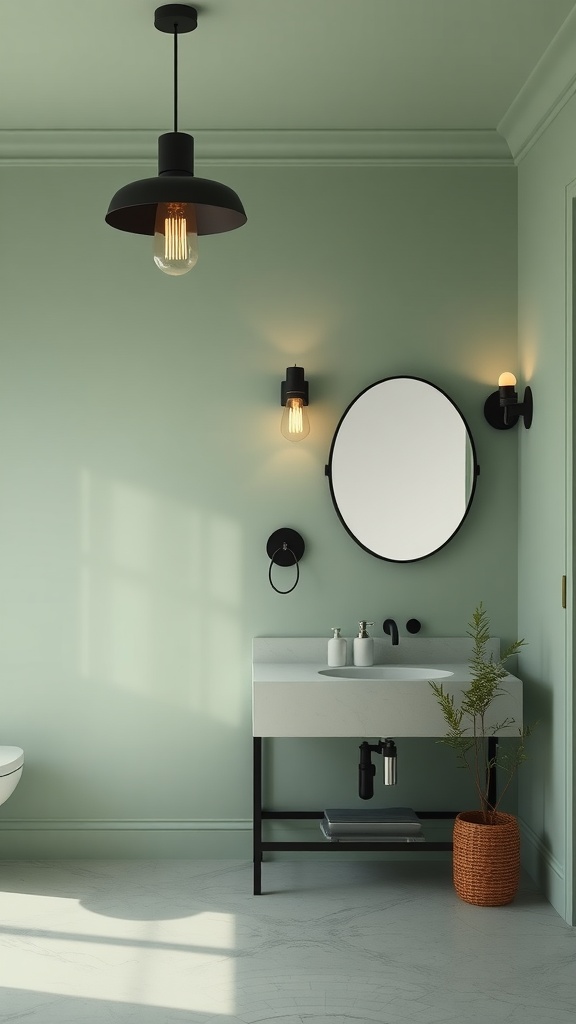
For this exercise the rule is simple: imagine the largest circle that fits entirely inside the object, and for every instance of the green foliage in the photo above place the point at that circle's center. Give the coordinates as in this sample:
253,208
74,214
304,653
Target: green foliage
466,723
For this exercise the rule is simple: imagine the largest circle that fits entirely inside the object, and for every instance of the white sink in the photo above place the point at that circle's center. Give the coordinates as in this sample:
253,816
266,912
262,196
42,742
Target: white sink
384,672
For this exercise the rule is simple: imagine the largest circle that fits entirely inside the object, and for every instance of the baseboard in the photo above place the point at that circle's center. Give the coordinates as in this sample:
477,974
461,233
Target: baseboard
189,839
37,838
544,868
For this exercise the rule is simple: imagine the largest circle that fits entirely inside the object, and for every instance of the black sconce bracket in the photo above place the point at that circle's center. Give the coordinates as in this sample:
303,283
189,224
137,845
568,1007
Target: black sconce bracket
294,386
502,410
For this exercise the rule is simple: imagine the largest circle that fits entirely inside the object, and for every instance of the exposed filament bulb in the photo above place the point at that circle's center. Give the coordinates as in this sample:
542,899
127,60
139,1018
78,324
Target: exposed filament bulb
295,423
175,238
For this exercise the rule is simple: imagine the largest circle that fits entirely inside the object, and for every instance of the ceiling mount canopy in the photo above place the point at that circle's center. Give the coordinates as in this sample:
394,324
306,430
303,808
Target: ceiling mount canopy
176,206
182,16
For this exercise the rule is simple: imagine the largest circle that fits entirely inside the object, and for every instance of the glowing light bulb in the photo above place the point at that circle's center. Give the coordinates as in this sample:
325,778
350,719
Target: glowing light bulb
295,423
175,238
506,380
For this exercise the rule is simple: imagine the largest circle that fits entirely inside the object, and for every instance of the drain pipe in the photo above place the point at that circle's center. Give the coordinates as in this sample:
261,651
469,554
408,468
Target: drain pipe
367,771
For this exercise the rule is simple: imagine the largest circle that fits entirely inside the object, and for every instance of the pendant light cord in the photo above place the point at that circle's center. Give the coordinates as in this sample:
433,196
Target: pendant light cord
175,76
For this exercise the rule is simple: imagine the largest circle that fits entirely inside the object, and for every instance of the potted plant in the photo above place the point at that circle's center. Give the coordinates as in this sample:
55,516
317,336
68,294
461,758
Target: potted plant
486,842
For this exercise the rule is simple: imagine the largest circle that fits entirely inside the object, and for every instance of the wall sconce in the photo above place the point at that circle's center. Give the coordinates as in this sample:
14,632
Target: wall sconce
502,409
295,424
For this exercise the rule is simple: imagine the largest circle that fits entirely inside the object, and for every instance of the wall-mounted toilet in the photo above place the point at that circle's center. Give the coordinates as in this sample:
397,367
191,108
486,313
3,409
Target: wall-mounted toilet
11,766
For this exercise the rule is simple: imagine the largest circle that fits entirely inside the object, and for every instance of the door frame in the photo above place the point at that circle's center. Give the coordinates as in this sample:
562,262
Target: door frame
570,569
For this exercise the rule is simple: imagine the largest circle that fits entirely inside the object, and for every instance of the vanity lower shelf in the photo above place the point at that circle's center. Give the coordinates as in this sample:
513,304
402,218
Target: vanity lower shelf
262,846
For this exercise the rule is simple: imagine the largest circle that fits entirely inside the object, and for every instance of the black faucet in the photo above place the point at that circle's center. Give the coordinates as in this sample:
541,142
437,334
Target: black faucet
390,627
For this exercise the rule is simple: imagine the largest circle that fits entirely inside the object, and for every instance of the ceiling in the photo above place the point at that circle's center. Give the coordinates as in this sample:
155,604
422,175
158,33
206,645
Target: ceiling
271,64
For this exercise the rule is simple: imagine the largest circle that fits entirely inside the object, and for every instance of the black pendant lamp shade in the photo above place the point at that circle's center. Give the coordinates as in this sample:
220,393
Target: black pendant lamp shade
134,206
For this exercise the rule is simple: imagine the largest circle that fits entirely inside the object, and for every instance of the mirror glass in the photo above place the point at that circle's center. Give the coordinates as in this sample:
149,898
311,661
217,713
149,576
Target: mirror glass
402,469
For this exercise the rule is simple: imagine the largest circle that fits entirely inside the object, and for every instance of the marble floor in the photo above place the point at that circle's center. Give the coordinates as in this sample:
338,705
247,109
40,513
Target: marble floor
167,942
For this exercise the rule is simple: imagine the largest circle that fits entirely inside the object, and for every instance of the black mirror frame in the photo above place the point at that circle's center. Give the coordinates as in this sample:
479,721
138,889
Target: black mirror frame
475,472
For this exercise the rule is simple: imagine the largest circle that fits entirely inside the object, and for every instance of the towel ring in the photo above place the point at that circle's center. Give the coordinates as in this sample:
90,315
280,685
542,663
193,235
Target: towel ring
285,547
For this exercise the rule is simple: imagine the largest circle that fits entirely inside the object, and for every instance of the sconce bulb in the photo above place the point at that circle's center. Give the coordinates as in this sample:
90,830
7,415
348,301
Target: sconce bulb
295,423
175,238
506,380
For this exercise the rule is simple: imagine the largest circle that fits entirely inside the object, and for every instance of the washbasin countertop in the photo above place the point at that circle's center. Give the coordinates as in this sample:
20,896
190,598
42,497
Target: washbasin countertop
293,697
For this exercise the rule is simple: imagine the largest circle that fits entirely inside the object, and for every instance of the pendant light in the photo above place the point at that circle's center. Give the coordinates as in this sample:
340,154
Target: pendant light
176,206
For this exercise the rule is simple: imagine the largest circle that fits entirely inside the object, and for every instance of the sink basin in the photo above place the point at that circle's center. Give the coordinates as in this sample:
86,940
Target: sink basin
385,672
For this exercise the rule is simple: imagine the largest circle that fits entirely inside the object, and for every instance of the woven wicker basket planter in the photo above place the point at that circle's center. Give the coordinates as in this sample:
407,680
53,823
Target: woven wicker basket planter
486,858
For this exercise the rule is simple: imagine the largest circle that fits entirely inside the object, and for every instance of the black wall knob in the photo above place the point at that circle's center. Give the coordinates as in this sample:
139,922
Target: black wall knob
413,626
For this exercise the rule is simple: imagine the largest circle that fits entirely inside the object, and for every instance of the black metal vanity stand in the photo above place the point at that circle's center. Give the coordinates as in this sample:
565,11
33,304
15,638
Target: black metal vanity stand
260,846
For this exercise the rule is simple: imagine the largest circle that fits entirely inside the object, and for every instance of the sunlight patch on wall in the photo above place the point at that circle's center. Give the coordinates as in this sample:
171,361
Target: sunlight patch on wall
161,585
224,582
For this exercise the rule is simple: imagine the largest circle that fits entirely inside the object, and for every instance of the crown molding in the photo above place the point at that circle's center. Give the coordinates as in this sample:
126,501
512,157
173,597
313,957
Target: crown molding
259,148
548,88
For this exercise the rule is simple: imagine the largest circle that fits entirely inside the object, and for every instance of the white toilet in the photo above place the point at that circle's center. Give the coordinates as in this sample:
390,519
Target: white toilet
11,766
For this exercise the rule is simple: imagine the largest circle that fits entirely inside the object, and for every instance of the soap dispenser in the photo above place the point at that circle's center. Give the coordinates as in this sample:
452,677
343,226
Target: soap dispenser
336,649
363,646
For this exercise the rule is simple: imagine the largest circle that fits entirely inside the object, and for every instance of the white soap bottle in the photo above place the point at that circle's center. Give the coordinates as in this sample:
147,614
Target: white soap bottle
336,649
363,646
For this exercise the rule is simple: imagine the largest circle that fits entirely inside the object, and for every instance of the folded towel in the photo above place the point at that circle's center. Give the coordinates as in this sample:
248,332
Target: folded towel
378,820
370,837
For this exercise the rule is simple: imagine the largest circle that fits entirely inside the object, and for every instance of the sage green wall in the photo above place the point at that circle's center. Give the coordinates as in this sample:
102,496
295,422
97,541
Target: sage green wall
142,471
546,187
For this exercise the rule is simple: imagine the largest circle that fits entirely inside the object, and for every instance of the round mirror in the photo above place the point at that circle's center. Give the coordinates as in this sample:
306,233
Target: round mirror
402,469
